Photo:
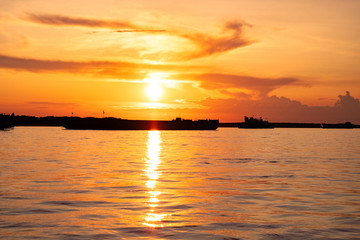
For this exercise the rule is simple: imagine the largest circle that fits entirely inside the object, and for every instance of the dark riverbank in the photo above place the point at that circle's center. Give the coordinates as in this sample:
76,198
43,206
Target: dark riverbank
20,120
109,123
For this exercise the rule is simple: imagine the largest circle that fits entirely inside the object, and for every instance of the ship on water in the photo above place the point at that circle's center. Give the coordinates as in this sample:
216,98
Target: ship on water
110,123
255,123
6,121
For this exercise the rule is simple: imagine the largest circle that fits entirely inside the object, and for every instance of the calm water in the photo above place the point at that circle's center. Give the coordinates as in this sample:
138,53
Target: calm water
224,184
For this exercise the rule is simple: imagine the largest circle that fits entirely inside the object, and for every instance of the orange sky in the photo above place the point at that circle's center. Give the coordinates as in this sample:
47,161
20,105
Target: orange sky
283,60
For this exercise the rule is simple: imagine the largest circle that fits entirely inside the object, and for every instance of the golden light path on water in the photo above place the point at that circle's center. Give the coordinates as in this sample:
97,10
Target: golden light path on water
152,218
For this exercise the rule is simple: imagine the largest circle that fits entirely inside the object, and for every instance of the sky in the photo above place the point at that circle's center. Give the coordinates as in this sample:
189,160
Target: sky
287,61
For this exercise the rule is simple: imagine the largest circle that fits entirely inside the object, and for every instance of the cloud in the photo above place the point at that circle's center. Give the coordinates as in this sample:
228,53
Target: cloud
263,86
141,30
137,71
58,20
52,104
231,37
282,109
208,45
347,101
237,94
123,70
93,67
235,86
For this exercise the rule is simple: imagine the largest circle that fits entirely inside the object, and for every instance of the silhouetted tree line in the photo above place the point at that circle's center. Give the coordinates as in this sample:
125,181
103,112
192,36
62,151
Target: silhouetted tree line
8,121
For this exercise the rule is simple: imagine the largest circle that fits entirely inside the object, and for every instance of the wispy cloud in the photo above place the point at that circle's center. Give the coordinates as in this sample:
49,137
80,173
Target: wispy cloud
232,38
229,38
137,71
226,81
59,20
52,103
122,70
141,30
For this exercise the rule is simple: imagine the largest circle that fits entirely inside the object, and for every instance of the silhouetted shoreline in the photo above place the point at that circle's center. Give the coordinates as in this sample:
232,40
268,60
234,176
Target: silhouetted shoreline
109,123
254,123
76,123
8,121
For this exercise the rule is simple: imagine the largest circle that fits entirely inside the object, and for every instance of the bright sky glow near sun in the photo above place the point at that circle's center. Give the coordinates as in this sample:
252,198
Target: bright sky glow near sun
154,89
291,60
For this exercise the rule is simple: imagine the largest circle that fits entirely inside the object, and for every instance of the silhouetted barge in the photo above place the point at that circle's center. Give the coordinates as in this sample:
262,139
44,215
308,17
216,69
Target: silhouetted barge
124,124
6,121
255,123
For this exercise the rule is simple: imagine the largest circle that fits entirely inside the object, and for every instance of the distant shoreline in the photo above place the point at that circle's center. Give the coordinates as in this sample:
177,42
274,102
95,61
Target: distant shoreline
23,120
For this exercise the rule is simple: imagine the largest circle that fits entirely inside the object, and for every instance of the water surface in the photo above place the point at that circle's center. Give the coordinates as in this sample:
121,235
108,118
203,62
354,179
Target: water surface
224,184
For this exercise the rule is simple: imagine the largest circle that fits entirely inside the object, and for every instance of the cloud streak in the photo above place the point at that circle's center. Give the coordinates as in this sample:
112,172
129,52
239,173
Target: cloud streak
118,70
219,81
137,71
209,45
231,37
59,20
52,103
127,70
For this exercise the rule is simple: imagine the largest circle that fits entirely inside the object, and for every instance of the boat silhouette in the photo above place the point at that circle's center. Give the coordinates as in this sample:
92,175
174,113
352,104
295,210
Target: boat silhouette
6,121
110,123
255,123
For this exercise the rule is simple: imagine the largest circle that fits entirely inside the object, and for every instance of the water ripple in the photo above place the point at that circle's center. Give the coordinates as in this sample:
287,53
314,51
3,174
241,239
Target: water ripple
224,184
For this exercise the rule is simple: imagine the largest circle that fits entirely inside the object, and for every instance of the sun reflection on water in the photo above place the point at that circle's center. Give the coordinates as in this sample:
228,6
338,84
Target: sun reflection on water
153,218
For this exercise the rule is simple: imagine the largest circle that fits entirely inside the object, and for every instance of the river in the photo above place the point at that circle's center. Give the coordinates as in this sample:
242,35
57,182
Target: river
224,184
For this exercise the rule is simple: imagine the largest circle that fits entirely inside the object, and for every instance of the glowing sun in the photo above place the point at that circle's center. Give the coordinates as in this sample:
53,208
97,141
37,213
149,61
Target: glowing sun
154,89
